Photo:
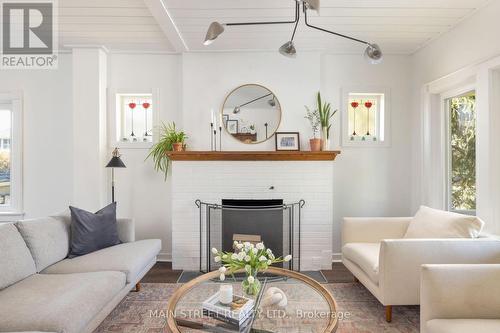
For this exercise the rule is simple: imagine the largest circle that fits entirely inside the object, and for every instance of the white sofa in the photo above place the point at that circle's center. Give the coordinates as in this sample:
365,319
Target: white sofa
460,299
374,250
42,290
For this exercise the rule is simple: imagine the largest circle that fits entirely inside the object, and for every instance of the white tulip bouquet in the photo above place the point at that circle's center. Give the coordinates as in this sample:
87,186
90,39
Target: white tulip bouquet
252,258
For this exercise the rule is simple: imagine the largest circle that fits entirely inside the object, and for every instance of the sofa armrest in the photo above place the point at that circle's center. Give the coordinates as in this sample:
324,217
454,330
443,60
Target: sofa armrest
459,291
373,229
126,230
400,262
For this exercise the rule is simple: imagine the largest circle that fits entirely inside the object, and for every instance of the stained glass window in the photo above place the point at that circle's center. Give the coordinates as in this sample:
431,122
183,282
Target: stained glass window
365,117
135,117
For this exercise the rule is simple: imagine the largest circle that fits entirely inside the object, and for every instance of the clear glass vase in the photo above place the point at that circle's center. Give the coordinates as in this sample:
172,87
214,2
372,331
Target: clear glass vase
251,289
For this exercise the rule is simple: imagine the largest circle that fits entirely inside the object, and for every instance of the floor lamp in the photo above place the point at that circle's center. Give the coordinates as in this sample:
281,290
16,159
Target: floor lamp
115,162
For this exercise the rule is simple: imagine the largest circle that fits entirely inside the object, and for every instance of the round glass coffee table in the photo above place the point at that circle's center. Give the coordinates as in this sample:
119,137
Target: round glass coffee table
310,308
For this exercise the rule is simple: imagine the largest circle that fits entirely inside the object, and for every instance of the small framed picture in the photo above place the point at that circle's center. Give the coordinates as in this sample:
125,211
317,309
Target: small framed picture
232,126
287,141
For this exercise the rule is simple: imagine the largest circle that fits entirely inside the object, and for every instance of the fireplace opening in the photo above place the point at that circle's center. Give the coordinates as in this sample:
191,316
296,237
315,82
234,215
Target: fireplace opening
253,221
271,221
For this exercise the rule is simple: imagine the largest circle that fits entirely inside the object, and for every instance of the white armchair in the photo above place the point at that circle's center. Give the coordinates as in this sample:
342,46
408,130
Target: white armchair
460,299
388,265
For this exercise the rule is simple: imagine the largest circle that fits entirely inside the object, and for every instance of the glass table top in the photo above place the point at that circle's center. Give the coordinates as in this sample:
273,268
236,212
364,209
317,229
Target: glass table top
310,307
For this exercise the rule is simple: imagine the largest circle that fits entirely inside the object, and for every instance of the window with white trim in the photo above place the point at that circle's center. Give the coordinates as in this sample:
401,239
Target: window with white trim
10,154
461,151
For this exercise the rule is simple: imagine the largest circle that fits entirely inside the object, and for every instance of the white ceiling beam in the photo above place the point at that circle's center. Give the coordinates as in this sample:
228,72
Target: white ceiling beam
160,12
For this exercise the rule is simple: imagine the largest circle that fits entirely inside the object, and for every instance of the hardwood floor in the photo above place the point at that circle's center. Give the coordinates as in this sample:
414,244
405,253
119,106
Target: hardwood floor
162,273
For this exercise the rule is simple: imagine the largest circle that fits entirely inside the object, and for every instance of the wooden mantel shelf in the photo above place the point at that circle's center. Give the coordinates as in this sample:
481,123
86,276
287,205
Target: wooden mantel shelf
253,155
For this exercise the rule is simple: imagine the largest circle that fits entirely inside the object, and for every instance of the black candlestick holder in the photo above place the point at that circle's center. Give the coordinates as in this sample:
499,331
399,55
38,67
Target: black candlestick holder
211,137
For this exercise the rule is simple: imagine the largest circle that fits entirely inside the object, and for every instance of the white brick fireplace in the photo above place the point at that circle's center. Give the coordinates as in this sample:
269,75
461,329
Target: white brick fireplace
211,181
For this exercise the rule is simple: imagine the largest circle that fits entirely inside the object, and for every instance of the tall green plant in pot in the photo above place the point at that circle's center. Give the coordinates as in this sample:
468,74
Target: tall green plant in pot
325,116
170,140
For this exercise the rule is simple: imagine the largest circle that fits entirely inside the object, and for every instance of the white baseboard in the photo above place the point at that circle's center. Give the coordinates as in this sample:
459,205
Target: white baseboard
164,257
336,257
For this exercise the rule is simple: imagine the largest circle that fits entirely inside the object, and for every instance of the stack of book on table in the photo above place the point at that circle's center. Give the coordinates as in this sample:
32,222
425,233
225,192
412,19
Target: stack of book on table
239,312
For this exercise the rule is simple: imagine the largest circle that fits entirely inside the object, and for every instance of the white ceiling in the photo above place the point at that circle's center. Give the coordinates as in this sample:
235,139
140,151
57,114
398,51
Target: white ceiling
115,24
398,26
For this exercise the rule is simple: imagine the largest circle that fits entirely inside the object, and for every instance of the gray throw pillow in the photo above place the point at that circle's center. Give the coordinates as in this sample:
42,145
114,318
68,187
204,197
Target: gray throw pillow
92,231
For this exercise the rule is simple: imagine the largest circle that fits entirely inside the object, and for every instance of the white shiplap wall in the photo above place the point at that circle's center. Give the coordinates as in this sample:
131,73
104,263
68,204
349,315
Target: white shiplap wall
211,181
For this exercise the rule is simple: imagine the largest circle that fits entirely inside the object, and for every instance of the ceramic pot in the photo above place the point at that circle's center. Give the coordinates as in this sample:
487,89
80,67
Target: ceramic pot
315,144
178,146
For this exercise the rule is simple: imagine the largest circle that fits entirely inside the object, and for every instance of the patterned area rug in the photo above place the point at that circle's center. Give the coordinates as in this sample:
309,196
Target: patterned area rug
136,313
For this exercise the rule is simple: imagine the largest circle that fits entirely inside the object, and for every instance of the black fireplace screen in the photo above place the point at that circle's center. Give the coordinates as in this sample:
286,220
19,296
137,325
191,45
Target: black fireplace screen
272,222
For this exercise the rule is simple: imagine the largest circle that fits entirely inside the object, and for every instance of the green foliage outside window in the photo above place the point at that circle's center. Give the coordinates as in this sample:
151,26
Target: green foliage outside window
4,162
463,152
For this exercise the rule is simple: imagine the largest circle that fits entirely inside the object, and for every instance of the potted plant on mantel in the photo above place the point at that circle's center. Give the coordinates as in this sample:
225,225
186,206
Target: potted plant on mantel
325,115
314,120
170,140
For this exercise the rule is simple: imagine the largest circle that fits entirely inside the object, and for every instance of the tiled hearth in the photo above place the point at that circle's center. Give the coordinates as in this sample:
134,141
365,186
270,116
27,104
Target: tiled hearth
211,181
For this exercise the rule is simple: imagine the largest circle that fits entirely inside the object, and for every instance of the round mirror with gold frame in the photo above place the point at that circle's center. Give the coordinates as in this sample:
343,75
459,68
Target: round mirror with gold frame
251,113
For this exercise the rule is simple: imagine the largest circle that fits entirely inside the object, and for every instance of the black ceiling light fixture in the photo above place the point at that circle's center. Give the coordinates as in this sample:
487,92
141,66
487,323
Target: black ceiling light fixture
373,54
237,109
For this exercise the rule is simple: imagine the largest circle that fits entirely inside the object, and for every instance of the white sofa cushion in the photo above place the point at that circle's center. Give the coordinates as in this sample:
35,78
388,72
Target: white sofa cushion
16,262
57,302
129,258
434,223
366,256
47,238
463,325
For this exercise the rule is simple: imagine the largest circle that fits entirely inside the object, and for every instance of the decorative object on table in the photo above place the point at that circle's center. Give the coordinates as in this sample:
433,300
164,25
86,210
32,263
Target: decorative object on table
92,231
169,140
225,118
325,115
251,105
132,106
237,311
287,141
315,121
146,106
114,162
232,126
354,106
373,53
226,294
274,296
251,258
